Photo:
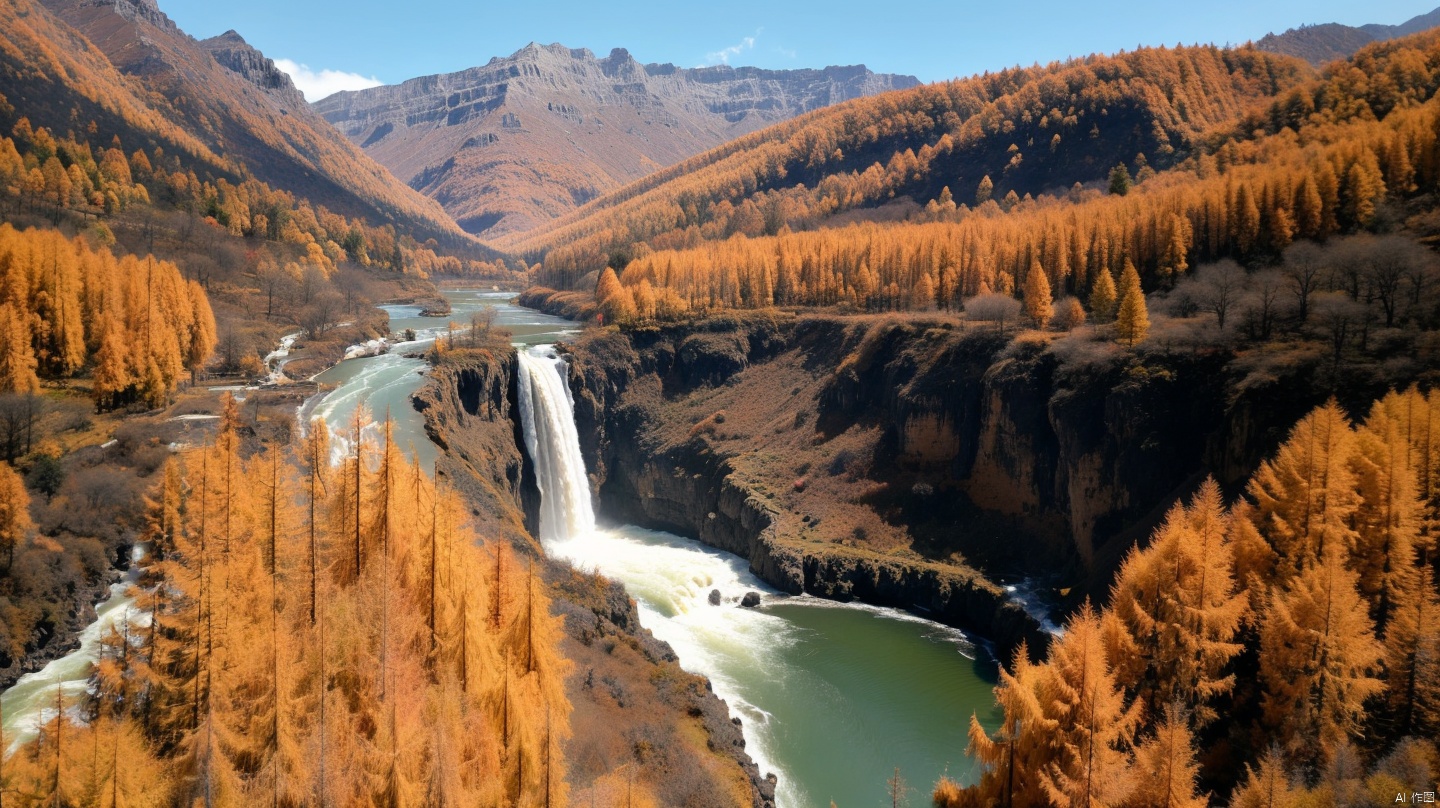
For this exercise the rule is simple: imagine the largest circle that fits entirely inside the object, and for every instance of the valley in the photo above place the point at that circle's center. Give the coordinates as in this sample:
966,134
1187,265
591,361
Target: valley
571,430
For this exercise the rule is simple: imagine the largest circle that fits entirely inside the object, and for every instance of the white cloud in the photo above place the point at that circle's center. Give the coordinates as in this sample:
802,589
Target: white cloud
724,55
316,84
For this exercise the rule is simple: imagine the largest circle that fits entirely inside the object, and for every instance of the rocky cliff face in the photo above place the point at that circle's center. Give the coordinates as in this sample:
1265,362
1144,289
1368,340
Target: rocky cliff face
233,52
915,463
471,413
529,137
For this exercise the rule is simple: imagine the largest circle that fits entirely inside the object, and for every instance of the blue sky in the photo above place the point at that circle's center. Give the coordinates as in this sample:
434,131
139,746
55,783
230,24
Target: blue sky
365,41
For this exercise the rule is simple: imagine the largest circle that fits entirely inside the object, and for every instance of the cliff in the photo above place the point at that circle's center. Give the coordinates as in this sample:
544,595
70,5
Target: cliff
525,138
234,53
626,687
921,463
471,414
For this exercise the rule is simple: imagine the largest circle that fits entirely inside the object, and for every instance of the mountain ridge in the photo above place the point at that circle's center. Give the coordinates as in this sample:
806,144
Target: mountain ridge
1326,42
515,142
129,69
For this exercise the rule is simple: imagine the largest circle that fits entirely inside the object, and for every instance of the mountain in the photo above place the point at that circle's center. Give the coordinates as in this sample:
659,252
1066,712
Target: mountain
1024,131
1320,44
1317,44
523,139
220,105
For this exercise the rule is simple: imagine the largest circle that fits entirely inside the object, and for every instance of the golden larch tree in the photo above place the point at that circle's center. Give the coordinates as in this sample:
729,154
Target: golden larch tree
1095,725
1132,320
1318,657
15,523
1306,497
1039,306
1412,657
1166,773
1180,611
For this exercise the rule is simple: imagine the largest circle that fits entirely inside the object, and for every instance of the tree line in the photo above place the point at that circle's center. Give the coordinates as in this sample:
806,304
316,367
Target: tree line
1024,126
82,175
136,323
1280,650
1260,203
1325,159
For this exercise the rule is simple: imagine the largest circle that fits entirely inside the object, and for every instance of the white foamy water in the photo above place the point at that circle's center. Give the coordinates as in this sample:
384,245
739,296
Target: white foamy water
30,703
547,416
671,579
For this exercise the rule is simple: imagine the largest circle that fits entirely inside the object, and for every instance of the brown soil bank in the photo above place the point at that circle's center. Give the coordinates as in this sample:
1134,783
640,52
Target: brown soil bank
888,461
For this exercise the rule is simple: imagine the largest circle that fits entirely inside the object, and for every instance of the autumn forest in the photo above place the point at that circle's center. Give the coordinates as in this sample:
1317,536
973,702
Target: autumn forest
1116,374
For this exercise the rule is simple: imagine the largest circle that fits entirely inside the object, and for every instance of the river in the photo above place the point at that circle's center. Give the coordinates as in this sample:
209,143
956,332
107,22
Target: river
385,383
30,703
381,383
833,697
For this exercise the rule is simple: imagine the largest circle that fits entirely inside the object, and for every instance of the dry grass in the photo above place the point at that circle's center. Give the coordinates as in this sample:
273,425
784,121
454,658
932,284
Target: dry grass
764,420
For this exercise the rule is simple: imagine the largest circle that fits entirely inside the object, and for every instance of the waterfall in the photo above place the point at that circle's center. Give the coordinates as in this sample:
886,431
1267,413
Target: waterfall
547,415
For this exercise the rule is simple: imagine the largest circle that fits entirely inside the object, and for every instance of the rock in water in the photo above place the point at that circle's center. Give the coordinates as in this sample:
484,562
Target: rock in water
751,600
714,597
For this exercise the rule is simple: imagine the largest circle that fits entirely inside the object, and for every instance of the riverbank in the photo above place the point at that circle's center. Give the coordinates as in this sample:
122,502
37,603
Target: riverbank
63,638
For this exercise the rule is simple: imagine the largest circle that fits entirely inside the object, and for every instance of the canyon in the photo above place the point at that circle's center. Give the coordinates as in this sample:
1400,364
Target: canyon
918,464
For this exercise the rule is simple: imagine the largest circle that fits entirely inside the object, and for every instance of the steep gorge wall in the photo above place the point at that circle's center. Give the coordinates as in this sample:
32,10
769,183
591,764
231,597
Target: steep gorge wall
1041,462
472,414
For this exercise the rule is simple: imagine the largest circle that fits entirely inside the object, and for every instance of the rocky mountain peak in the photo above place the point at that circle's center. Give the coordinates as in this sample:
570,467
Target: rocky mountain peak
137,10
235,54
528,137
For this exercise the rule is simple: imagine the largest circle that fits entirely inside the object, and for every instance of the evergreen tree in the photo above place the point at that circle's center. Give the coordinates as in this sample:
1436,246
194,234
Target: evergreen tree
1119,180
1132,321
1038,303
1318,653
984,190
1102,297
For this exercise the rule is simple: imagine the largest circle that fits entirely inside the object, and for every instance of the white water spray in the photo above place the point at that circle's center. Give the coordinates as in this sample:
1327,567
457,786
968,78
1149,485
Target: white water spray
547,415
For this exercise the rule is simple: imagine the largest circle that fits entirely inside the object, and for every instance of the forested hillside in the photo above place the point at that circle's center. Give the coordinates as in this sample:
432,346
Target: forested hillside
1327,156
123,69
137,322
1027,130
